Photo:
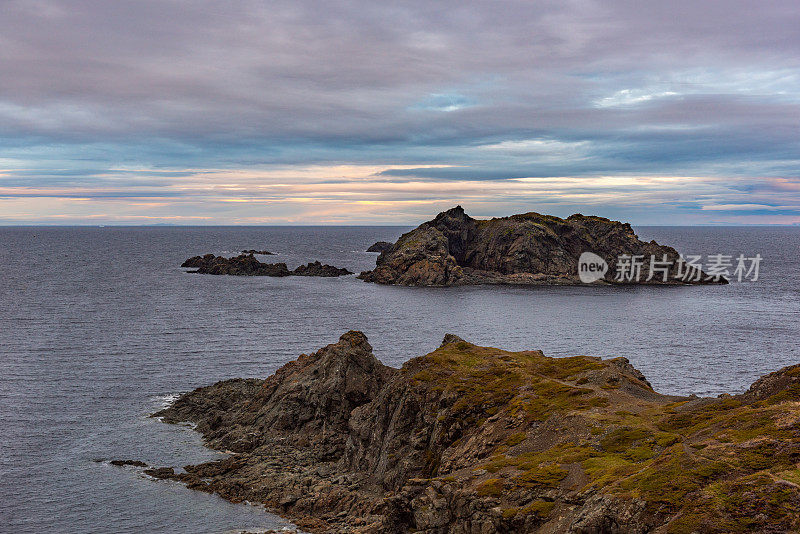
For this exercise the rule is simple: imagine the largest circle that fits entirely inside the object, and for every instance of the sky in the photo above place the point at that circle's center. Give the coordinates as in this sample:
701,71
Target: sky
374,112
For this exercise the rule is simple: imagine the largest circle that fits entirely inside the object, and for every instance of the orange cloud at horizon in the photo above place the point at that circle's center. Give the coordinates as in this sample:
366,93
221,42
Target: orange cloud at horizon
361,194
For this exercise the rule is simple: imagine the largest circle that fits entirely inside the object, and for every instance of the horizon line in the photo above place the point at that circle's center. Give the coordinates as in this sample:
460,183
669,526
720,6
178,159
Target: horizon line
318,225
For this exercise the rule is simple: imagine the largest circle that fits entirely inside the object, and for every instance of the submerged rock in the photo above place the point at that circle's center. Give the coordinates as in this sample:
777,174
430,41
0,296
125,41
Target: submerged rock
248,265
455,249
262,252
477,439
380,246
132,463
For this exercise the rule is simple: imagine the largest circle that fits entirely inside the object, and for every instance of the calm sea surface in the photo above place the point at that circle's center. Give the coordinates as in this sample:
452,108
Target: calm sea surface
99,327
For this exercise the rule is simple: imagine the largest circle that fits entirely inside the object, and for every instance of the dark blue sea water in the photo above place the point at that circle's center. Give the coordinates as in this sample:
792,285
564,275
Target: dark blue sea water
99,327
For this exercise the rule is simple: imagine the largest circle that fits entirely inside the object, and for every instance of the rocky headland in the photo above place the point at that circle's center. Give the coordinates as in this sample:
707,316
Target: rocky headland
455,249
478,440
248,265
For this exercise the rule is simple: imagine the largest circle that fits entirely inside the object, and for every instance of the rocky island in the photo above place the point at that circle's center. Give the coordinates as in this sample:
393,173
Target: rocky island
478,440
248,265
455,249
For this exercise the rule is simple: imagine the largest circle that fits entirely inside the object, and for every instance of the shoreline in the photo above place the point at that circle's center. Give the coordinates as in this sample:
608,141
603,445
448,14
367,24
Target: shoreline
337,442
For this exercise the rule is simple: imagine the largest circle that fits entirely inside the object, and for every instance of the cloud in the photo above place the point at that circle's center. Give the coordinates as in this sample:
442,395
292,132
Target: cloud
445,102
142,95
628,97
740,207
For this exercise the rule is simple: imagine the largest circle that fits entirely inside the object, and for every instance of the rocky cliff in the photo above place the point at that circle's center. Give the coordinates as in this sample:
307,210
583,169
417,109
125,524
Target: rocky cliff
471,439
455,249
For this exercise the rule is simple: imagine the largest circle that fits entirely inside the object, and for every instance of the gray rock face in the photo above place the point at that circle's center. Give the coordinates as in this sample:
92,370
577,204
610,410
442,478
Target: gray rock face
455,249
612,515
312,396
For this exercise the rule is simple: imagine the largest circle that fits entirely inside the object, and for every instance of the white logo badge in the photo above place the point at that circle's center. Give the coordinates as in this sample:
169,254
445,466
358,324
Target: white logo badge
591,267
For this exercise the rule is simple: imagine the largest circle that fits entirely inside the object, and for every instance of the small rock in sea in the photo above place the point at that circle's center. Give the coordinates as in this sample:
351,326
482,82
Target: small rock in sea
248,265
242,265
262,252
134,463
318,269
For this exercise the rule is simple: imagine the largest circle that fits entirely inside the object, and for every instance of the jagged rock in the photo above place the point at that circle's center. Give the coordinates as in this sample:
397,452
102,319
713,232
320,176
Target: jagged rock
318,269
312,394
423,259
780,382
248,265
471,439
242,265
380,246
451,338
262,252
612,515
207,405
455,249
198,261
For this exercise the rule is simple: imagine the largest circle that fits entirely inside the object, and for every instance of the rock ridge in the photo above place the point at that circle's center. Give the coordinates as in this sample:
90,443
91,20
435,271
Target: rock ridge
248,265
471,439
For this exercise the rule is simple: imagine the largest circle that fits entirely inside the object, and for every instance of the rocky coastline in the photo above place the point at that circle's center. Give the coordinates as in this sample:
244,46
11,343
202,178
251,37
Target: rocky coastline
248,265
454,249
530,249
478,440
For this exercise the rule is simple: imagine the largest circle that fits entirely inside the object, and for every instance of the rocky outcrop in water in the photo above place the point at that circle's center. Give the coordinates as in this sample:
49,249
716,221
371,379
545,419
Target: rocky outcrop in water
242,265
318,269
477,440
132,463
380,246
455,249
262,252
199,261
248,265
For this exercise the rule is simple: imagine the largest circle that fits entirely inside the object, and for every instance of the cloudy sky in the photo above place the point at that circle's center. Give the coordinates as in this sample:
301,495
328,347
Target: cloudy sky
360,112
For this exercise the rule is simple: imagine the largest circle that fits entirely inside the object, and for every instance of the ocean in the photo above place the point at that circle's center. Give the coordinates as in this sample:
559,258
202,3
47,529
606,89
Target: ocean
100,327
